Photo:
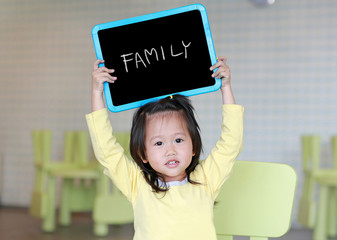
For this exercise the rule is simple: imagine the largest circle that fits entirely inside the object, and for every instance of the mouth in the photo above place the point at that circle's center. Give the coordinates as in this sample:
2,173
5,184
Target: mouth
172,163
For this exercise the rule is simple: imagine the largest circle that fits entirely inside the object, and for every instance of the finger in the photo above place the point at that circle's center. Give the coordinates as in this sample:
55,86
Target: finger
107,79
218,64
220,76
222,59
104,69
97,62
106,76
223,74
103,77
218,71
111,80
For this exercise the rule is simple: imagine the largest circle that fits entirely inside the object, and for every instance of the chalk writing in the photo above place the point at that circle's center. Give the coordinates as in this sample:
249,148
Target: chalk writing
148,56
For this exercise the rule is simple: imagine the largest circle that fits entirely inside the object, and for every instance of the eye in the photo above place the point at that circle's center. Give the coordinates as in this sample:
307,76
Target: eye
179,140
159,143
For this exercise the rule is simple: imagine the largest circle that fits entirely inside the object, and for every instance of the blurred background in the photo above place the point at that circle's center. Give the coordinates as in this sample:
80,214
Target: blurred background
283,59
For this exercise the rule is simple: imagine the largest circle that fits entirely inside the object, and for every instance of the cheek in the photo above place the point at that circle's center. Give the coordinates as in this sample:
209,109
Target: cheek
151,155
187,152
190,149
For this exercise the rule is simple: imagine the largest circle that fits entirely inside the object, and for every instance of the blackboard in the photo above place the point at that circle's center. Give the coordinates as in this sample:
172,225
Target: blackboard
157,55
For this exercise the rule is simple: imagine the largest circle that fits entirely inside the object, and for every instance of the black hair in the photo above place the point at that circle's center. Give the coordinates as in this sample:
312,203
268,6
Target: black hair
176,103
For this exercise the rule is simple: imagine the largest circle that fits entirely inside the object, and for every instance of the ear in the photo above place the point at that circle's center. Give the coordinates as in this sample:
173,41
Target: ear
145,161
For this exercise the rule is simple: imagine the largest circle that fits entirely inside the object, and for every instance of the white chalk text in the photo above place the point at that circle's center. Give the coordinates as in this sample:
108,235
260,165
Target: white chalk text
148,56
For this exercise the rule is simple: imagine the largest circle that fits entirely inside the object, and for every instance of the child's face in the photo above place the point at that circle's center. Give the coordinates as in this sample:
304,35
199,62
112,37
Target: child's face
168,145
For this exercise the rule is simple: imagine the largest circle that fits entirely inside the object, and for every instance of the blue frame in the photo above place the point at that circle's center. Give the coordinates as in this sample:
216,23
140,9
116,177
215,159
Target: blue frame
151,16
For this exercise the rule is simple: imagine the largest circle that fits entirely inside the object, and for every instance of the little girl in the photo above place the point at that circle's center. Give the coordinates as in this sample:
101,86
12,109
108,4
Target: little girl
172,194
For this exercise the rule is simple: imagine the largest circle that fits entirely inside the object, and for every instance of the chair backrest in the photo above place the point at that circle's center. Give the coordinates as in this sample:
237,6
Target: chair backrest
41,146
42,156
81,155
334,150
256,201
311,150
68,146
76,148
42,151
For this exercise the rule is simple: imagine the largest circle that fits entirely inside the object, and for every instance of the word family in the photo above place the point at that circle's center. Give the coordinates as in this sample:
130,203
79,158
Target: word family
148,56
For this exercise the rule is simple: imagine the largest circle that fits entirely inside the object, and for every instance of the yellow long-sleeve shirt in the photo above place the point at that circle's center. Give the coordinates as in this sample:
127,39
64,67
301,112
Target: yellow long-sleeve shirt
186,210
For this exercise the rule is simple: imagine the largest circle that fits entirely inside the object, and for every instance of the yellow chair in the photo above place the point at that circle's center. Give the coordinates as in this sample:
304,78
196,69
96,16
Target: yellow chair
76,195
311,150
111,207
256,201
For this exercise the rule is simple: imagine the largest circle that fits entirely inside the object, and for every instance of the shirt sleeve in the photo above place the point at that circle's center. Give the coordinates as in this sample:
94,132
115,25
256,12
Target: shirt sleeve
218,165
123,171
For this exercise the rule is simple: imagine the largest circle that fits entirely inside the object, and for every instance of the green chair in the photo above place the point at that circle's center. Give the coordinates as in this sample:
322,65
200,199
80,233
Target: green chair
327,210
311,150
43,191
75,170
111,207
42,148
79,179
256,201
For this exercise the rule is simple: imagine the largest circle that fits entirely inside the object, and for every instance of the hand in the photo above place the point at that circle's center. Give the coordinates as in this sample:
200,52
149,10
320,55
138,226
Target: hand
101,75
222,72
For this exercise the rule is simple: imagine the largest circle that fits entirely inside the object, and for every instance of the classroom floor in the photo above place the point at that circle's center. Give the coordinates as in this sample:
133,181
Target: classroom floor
17,224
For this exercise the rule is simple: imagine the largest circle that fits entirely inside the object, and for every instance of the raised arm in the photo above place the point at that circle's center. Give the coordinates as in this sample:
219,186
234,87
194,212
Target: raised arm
224,73
218,165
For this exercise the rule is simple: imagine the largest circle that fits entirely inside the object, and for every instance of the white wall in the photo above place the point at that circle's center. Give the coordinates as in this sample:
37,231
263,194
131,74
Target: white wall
283,60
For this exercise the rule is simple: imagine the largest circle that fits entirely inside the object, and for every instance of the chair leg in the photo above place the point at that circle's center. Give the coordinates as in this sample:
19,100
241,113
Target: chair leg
48,223
101,229
321,220
332,231
307,212
65,214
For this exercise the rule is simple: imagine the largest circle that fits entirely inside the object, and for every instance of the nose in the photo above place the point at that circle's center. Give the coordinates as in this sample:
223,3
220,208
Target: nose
170,150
